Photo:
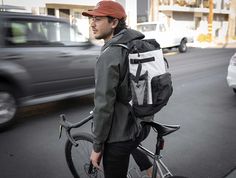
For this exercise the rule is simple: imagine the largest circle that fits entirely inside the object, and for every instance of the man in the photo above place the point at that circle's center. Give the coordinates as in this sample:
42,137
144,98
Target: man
116,133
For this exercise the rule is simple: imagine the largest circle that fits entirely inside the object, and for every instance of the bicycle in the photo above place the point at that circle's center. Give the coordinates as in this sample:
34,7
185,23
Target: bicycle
81,145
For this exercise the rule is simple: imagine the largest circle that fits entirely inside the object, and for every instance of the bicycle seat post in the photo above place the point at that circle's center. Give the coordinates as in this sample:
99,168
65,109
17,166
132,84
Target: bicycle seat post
159,145
155,167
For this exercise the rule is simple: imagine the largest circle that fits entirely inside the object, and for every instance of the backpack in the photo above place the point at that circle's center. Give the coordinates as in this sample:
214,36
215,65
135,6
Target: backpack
149,81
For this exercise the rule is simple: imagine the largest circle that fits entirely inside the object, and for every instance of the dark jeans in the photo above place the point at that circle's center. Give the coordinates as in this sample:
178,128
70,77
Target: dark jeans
116,156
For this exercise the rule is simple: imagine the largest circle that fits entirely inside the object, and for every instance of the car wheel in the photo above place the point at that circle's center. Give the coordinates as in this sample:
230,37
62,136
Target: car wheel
8,106
234,89
183,46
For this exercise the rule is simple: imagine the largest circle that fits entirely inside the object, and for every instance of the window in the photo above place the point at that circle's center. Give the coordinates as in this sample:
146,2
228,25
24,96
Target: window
206,3
147,27
51,11
62,33
78,15
64,13
24,32
19,33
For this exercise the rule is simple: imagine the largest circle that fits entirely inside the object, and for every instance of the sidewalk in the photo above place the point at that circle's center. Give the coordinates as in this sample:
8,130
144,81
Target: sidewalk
230,44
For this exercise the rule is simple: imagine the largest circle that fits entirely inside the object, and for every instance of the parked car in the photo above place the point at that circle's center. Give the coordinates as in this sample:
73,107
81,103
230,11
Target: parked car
231,76
166,37
42,59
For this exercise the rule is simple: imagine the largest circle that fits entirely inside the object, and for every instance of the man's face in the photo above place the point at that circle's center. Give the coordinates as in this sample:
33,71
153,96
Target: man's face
102,28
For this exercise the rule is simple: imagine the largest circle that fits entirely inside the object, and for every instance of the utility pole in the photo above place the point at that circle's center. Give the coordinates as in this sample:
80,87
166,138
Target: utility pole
210,20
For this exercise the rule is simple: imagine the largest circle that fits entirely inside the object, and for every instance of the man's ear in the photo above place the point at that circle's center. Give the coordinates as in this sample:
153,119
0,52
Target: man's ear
115,23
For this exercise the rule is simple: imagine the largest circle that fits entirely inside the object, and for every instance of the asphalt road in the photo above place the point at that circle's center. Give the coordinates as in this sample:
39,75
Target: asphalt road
202,104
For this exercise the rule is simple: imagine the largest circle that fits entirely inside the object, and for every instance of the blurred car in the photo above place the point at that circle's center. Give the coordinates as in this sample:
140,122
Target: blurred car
231,76
42,59
166,37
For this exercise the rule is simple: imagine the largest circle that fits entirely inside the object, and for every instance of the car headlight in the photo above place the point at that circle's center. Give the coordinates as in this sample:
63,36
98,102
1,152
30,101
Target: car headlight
233,60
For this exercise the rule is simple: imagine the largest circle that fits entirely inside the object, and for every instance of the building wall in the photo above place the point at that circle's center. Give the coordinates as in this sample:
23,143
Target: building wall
41,3
183,19
75,8
232,20
194,15
139,10
131,10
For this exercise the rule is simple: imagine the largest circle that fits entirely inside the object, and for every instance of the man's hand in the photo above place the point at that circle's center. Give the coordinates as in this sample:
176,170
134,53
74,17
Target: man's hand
96,159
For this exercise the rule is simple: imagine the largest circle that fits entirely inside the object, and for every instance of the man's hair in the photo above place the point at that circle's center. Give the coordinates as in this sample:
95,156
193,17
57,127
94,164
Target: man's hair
120,26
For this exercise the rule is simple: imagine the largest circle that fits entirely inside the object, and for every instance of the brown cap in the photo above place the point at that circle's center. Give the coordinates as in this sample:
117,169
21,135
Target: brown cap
107,8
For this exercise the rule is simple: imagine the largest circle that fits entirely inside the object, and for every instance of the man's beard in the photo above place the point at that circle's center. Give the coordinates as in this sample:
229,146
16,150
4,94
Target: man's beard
104,35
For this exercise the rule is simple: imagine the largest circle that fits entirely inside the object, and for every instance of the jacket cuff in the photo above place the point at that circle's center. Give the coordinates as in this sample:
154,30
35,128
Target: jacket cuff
97,147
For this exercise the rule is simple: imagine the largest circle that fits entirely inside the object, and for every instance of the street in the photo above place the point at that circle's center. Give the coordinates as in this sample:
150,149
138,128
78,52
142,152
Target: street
202,103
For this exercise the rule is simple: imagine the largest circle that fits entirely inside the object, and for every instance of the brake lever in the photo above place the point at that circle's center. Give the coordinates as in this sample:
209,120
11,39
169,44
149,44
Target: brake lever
71,139
63,118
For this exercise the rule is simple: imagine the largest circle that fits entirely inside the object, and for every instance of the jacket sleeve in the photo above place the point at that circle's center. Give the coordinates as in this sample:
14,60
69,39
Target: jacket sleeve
107,80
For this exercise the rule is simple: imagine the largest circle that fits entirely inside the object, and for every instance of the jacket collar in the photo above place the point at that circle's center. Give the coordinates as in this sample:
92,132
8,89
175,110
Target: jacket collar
123,37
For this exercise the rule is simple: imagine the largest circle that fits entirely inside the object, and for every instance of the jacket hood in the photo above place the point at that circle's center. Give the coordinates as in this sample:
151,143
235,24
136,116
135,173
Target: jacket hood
124,37
128,35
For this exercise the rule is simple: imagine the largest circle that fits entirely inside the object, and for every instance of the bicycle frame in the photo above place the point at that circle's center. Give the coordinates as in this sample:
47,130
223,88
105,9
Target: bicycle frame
158,164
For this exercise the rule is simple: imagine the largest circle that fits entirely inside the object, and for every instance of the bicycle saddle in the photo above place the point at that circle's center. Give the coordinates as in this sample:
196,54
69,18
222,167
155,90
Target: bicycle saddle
162,129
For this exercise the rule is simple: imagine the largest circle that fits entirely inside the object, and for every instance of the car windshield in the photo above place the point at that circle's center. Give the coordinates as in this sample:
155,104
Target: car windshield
146,27
20,32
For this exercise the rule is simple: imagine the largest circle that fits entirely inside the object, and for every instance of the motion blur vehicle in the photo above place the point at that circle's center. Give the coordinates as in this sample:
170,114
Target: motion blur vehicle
231,76
42,59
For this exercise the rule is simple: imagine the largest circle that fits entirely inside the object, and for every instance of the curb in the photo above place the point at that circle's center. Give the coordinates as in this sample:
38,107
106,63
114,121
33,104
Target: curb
230,44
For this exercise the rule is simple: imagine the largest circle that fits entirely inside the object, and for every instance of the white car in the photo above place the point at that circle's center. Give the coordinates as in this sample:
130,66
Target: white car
166,37
231,76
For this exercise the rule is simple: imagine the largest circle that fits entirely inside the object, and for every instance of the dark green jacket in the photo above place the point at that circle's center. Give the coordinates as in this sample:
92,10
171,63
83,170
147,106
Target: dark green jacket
112,119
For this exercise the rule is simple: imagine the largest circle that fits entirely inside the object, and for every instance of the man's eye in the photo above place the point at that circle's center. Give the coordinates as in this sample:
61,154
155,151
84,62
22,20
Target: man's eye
97,19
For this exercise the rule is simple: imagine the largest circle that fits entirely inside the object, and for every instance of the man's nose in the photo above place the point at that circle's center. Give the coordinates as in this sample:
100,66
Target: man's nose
92,23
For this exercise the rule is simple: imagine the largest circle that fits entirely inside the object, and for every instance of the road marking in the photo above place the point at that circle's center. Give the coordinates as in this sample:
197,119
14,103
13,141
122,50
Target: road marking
170,53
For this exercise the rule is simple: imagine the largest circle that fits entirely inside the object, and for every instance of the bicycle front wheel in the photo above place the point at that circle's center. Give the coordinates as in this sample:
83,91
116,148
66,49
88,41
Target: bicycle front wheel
78,158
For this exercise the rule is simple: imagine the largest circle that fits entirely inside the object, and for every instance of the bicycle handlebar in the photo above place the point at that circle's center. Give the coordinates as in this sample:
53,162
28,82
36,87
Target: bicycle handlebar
68,126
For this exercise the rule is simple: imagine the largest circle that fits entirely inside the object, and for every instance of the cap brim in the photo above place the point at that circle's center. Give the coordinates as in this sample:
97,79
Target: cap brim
90,13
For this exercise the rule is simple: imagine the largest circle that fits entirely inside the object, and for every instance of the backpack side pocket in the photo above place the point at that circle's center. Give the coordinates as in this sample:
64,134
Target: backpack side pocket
161,89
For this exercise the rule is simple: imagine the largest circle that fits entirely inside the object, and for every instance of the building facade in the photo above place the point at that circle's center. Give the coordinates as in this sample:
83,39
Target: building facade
72,10
191,14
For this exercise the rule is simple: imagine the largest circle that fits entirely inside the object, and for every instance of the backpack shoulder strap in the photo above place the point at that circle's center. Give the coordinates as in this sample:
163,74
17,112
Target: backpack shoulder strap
121,45
167,64
124,62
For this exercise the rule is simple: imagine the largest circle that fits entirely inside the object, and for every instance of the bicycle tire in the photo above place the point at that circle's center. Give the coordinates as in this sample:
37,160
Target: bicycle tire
78,158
